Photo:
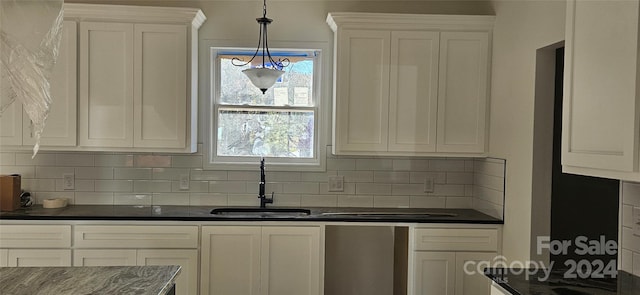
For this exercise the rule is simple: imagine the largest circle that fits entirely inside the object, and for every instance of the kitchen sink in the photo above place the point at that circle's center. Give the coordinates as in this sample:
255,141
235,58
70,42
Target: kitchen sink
260,212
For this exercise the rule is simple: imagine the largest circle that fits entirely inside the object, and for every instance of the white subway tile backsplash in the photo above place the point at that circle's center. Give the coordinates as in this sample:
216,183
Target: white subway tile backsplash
629,240
447,165
341,164
194,187
231,187
410,165
489,181
488,194
419,177
427,202
8,159
132,173
53,172
113,160
132,199
79,185
24,171
407,189
494,167
41,196
190,161
391,201
269,187
282,176
38,185
355,201
348,189
456,190
90,198
392,177
286,200
626,261
208,199
317,176
301,187
459,202
636,264
627,216
41,159
152,161
244,175
94,173
199,174
151,186
374,164
170,173
175,199
356,176
75,159
459,178
243,200
318,200
373,189
468,165
631,193
114,185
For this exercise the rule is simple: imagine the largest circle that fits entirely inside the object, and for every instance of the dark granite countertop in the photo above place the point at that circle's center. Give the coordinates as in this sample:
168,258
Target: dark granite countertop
139,280
517,282
202,213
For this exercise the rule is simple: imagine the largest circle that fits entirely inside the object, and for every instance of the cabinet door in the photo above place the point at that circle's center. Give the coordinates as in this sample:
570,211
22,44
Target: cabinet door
291,261
498,290
4,257
102,257
39,257
470,281
60,127
106,84
600,106
10,121
413,99
187,281
362,84
230,260
462,92
434,273
160,97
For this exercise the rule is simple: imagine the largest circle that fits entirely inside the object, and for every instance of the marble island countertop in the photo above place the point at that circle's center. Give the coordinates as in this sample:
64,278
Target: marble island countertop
125,280
539,282
203,213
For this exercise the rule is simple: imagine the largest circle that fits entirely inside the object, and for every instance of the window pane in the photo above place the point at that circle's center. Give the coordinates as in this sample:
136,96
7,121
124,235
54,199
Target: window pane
284,134
294,88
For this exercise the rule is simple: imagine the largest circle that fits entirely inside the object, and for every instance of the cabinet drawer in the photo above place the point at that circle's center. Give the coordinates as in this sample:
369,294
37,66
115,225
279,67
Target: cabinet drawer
35,236
441,239
132,236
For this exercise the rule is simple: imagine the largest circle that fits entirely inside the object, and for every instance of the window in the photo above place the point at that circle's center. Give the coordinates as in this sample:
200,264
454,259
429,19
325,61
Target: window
281,125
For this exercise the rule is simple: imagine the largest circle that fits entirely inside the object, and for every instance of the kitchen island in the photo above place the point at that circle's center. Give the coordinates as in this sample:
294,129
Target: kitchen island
124,280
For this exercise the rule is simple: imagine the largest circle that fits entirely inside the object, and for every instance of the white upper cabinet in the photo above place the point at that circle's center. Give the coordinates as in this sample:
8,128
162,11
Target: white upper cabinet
601,114
137,70
60,127
136,82
410,85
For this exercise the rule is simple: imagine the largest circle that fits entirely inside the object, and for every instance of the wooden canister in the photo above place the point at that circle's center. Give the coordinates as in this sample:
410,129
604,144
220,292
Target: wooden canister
9,192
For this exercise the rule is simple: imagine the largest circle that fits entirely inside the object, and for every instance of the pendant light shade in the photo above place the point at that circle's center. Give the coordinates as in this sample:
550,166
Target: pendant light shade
265,75
263,78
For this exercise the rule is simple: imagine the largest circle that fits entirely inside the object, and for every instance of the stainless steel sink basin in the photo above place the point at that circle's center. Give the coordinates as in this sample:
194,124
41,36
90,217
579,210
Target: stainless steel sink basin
389,214
260,212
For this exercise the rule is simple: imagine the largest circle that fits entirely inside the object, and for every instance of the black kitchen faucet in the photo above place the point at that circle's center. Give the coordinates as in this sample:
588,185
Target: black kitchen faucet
263,199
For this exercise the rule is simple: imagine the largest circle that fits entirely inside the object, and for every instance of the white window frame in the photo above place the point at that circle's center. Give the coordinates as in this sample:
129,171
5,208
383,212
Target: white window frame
215,162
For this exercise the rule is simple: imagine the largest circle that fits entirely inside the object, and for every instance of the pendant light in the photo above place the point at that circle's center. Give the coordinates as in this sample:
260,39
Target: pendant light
265,75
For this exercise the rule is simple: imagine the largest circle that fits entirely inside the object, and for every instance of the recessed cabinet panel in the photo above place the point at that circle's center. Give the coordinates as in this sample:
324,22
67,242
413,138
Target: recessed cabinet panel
476,283
434,273
600,111
106,84
187,281
39,257
104,257
161,67
230,260
365,70
413,101
462,97
60,127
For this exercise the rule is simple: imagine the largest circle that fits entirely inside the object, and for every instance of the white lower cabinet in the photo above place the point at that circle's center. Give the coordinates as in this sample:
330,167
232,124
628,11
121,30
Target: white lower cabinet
128,245
497,290
35,245
267,260
445,261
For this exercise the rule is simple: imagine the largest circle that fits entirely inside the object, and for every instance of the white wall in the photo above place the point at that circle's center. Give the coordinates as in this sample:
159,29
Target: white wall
521,28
